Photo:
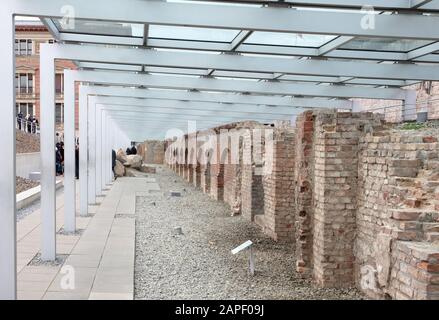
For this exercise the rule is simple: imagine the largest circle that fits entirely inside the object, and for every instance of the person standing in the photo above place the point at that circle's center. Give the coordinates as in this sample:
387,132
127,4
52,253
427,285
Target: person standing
133,149
29,123
20,120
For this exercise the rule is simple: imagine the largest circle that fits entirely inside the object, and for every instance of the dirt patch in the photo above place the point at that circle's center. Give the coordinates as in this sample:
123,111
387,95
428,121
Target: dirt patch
24,184
27,143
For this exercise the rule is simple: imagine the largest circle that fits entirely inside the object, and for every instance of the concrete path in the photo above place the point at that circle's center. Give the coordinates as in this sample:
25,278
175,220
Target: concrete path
98,262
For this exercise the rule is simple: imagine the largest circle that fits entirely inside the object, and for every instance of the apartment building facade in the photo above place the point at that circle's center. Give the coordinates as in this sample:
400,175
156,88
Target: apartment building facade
29,36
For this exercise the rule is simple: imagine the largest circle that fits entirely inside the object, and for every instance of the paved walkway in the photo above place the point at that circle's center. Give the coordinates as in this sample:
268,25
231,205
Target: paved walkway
102,256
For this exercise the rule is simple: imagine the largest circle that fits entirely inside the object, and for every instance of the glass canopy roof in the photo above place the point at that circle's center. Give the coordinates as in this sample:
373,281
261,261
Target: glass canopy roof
257,43
288,39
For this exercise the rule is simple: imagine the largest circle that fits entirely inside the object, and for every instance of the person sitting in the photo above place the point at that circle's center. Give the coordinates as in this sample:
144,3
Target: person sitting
133,149
128,151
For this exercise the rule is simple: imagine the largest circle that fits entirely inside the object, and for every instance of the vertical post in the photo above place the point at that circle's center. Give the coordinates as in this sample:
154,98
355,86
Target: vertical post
91,151
48,205
69,154
8,245
108,150
83,152
98,150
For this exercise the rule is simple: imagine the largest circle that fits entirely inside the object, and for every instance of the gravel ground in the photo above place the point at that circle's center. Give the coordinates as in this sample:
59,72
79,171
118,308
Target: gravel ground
22,184
27,143
198,264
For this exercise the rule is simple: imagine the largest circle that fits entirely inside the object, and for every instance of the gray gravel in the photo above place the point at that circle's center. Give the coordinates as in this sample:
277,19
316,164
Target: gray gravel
197,264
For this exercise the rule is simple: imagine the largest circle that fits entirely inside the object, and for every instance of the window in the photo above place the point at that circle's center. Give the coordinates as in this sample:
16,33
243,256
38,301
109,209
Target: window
59,113
51,41
59,83
25,109
23,47
24,83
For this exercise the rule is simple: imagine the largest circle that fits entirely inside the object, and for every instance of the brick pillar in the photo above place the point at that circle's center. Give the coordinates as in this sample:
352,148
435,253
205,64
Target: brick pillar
205,178
303,194
190,177
279,211
197,175
217,181
252,192
336,172
186,172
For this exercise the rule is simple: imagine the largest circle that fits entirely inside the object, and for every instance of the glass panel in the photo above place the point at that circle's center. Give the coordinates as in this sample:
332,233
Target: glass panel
288,39
101,28
239,74
188,33
385,44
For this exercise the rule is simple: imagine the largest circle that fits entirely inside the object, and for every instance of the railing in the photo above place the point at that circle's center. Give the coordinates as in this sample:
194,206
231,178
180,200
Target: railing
398,113
27,126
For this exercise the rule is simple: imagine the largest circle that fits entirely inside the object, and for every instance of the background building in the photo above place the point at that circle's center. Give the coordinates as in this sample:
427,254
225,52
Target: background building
29,36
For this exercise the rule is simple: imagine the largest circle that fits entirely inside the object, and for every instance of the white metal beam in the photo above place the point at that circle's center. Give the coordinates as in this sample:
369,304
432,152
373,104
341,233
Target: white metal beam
250,100
334,44
202,106
245,48
414,54
171,112
268,88
246,63
239,18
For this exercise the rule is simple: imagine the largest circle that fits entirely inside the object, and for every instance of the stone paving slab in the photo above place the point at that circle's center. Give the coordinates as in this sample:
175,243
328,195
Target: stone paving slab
101,257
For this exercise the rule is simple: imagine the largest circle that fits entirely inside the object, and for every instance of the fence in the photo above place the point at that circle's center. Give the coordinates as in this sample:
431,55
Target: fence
399,113
27,126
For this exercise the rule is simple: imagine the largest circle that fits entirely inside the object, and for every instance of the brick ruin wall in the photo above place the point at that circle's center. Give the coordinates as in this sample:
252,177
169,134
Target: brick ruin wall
356,198
152,151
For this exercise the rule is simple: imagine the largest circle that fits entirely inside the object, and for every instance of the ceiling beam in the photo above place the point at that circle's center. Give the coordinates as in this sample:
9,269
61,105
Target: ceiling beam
414,54
236,17
265,88
358,4
416,4
334,44
246,63
193,106
171,113
244,48
229,99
